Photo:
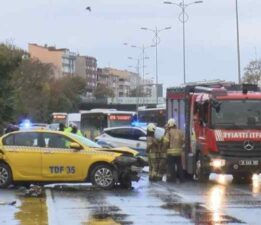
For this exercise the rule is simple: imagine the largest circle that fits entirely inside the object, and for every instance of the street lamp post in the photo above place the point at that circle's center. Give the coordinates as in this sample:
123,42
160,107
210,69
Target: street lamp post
156,32
137,81
238,46
183,18
142,48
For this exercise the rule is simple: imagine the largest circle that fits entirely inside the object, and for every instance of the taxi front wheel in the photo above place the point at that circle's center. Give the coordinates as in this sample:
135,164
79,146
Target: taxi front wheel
5,175
102,176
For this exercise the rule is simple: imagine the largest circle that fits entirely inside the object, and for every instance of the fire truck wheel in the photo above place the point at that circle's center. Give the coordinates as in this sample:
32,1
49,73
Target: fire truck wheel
201,175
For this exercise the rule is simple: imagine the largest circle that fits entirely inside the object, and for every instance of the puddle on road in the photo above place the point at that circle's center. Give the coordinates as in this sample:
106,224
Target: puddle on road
32,211
199,214
87,207
108,215
212,214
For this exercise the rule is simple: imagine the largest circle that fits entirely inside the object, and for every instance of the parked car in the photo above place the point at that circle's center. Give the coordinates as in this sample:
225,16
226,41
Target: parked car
53,156
133,137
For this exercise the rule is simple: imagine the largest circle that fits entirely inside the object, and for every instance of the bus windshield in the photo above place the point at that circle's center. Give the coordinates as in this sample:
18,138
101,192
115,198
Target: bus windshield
236,114
93,123
157,116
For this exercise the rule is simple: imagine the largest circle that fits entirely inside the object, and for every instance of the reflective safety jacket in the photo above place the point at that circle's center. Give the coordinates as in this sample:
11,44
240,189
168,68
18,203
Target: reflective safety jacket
176,141
153,147
69,130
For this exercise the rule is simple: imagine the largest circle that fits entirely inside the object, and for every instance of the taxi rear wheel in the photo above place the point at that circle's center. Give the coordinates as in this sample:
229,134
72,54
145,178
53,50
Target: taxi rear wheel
102,176
5,175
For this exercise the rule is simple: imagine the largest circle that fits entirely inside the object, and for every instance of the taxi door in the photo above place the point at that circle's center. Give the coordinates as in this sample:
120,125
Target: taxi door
59,162
23,153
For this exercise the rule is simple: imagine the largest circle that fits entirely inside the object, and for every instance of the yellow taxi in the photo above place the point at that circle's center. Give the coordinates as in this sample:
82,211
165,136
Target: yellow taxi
53,156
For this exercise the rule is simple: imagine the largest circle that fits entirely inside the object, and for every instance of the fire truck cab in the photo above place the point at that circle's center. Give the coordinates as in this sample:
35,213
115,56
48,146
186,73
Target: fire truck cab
222,126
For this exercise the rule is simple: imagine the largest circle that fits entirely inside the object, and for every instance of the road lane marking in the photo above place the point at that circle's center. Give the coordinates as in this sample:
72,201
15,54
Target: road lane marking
50,208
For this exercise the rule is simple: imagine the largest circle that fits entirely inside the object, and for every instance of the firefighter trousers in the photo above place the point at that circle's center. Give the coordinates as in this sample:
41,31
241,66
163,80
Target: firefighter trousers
157,168
174,168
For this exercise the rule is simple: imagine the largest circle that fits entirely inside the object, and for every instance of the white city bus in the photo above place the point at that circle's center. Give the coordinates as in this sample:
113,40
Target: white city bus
153,115
59,117
94,121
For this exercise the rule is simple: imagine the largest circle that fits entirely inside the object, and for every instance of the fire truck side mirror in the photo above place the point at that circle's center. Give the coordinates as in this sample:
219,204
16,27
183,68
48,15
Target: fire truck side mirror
216,105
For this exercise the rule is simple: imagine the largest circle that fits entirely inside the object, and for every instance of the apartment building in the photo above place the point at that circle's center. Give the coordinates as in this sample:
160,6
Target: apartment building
123,81
86,67
61,59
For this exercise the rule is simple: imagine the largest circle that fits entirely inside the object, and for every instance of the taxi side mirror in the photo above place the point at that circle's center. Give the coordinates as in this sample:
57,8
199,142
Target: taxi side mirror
75,146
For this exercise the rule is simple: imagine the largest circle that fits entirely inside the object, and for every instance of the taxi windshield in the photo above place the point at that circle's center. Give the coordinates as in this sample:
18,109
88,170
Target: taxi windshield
85,141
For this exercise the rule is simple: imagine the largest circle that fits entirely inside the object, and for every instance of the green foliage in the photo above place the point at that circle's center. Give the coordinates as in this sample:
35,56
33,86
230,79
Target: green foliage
103,91
29,88
38,93
31,83
252,72
66,94
10,58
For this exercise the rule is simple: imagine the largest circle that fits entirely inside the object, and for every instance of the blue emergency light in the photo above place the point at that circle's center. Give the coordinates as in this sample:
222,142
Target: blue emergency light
26,124
139,124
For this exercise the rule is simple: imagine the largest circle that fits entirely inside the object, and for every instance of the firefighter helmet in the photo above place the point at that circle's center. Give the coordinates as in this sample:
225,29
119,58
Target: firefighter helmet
171,123
151,127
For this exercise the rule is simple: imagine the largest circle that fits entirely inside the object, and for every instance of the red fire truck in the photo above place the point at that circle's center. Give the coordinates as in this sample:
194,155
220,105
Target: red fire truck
222,126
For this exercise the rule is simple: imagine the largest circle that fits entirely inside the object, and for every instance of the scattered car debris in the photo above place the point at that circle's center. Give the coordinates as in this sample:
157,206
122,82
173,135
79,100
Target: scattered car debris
34,191
8,203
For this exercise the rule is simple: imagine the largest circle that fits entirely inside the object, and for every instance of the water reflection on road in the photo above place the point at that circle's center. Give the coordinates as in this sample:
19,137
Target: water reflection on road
217,202
32,211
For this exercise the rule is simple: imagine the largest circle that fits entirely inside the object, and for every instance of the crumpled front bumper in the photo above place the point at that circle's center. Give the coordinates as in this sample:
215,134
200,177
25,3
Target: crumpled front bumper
130,169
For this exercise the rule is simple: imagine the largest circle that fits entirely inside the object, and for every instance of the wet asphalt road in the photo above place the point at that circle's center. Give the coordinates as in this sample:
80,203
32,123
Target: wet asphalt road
217,202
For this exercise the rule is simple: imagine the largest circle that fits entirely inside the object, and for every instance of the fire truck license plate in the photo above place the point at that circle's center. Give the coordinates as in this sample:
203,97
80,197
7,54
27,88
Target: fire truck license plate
248,162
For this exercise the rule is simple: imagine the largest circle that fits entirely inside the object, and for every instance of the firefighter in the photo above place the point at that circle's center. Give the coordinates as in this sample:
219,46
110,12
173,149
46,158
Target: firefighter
152,151
174,138
164,145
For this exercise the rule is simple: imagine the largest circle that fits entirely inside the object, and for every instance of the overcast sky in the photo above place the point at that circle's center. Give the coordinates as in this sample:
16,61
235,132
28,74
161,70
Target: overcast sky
210,33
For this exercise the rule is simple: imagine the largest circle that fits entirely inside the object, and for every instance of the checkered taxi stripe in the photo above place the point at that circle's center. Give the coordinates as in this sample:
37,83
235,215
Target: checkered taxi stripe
12,148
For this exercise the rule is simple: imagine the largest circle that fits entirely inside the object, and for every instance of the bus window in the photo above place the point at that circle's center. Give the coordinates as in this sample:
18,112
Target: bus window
93,124
94,121
153,115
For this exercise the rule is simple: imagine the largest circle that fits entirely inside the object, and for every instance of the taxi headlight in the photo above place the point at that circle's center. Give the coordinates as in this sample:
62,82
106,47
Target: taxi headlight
125,160
218,163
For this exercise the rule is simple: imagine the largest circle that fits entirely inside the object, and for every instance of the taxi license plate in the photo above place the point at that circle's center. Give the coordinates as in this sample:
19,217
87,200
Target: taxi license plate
248,162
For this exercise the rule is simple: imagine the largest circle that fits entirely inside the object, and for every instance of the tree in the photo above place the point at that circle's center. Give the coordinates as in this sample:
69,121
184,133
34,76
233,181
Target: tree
10,59
103,91
38,93
31,83
67,92
252,72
